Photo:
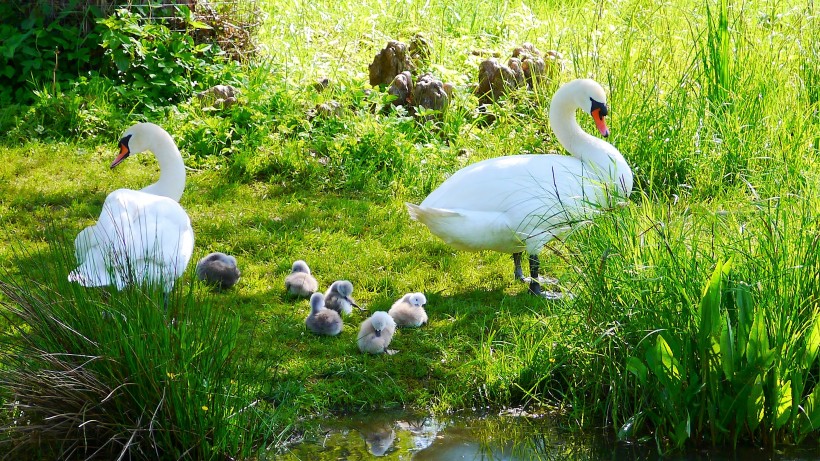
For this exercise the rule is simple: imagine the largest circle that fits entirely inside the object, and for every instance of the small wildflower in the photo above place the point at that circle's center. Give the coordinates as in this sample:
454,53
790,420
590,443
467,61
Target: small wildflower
552,360
204,408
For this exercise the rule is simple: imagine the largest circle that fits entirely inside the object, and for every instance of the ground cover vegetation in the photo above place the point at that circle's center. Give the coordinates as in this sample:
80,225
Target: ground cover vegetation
694,320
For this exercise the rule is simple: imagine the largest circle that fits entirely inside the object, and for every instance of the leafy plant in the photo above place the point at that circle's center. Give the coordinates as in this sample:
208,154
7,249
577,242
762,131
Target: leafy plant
737,377
153,64
43,51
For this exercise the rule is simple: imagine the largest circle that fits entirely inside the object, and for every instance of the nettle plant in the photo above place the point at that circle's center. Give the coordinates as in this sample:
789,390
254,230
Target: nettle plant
157,65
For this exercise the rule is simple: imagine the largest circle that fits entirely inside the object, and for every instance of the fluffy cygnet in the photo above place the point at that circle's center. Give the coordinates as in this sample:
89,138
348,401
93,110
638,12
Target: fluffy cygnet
321,320
337,297
376,333
300,282
218,269
409,310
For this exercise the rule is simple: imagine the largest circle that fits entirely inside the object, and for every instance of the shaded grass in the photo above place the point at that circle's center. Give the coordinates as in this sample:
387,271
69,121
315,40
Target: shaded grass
95,373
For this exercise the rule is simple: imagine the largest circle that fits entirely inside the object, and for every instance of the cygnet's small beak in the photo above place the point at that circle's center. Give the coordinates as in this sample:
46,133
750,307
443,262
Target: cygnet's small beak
353,303
378,333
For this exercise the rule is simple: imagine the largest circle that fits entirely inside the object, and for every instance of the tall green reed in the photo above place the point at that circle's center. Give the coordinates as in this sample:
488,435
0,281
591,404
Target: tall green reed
97,373
716,55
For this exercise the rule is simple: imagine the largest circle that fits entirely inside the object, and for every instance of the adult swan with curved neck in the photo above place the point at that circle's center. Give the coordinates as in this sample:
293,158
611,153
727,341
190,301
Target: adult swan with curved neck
519,203
142,236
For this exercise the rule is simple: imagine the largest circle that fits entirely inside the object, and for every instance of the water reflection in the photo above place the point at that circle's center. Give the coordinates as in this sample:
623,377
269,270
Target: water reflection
404,436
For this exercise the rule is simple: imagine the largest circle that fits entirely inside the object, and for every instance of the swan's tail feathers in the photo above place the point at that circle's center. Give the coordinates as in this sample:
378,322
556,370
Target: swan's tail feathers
413,210
420,214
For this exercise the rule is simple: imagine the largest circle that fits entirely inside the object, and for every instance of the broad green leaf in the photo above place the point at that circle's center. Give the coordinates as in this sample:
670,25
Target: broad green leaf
783,406
755,404
811,406
11,43
812,343
745,316
663,364
797,391
123,62
710,304
628,428
727,351
637,368
199,25
757,350
683,430
740,406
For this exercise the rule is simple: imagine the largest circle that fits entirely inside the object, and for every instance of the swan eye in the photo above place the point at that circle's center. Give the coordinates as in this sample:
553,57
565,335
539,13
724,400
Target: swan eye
124,141
600,106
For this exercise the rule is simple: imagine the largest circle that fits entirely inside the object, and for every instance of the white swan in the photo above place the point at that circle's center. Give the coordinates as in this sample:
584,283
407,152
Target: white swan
142,236
519,203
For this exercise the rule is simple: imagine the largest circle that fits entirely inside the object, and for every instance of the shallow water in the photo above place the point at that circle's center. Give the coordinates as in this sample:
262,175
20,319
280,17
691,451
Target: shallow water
505,437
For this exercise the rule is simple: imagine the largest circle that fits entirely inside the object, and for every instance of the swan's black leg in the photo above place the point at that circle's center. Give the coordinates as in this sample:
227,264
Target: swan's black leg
535,286
519,272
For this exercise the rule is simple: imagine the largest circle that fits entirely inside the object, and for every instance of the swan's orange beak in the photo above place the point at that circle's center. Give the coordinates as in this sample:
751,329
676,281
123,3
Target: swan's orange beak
599,122
124,153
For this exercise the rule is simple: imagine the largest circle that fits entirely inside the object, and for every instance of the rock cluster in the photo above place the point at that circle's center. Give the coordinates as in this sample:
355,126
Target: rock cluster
219,96
396,64
527,66
390,62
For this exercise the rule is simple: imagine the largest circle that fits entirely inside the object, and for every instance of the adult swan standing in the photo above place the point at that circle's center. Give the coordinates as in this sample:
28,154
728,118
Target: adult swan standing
519,203
142,236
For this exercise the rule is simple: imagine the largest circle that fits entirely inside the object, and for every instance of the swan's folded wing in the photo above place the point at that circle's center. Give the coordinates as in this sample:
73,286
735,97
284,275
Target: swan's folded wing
137,236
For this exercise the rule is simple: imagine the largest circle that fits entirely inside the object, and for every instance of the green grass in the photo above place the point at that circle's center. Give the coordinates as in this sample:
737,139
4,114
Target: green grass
714,105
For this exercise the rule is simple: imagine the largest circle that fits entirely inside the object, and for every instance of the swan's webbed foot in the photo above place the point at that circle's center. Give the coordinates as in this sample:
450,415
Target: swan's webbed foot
536,280
535,289
519,272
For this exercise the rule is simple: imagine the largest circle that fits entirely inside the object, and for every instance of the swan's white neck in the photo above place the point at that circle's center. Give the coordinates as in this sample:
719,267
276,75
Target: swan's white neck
600,155
171,181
